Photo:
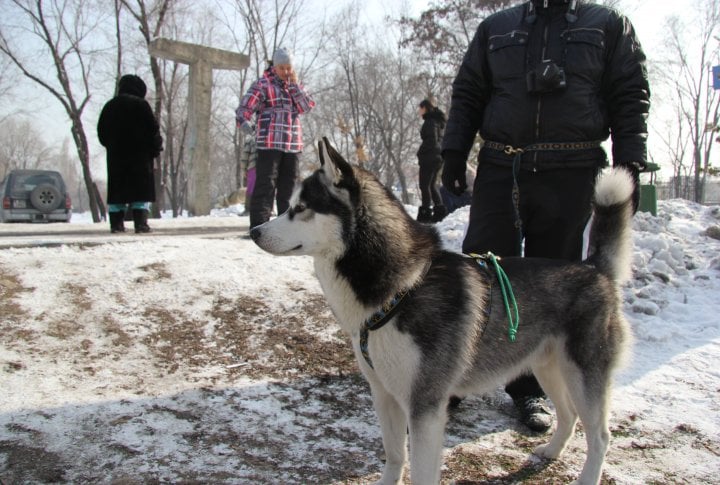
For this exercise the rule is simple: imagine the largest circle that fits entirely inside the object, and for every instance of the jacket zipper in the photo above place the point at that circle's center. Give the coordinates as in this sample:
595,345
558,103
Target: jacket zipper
539,103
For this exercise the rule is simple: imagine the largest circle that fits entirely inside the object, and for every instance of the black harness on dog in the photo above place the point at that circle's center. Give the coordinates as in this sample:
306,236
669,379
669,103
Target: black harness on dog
378,319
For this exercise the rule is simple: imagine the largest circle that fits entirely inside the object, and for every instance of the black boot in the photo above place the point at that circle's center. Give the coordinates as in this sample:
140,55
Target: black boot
439,213
454,402
116,222
424,214
534,413
140,217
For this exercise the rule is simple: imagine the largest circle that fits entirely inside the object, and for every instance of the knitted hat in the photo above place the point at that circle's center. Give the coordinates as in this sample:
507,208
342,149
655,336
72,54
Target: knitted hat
282,56
132,84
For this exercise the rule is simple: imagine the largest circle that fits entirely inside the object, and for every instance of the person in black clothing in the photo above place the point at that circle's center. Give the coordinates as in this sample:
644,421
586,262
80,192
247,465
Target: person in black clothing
544,83
430,160
127,128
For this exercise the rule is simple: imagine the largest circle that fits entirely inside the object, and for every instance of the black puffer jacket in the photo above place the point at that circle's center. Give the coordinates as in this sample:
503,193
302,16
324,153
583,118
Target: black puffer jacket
431,135
606,89
128,130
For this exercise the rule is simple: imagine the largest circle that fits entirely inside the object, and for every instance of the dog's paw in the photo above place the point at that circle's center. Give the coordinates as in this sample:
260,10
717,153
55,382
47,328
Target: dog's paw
547,451
389,479
383,482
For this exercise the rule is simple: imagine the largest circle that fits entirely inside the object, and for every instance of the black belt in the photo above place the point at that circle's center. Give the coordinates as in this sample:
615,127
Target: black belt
544,146
517,154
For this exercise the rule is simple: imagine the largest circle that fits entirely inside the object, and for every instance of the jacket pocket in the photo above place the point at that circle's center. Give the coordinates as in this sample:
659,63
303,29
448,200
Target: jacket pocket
585,52
506,54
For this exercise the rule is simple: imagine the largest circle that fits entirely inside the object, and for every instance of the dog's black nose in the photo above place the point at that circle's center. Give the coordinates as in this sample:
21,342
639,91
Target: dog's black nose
255,233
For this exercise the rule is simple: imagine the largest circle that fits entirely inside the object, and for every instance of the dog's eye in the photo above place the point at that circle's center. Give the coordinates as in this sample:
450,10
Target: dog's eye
296,209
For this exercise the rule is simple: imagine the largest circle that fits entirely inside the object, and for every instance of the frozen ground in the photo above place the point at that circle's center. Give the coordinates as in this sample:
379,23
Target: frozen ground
197,358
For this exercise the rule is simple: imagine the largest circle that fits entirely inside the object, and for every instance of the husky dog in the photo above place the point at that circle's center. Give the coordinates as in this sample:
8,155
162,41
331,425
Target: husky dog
427,324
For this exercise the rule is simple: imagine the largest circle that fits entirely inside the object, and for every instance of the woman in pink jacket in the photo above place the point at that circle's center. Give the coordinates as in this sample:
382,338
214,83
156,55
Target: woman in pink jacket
277,99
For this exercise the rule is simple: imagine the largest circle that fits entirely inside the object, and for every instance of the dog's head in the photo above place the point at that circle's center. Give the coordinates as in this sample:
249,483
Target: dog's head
321,212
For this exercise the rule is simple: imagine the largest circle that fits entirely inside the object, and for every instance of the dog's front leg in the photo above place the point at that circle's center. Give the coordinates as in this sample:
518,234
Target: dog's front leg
427,433
393,425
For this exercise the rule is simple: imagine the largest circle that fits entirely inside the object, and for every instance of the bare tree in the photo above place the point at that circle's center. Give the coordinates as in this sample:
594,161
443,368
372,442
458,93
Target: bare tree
393,102
117,4
370,110
21,147
175,121
675,140
62,27
269,25
345,41
6,80
691,51
444,31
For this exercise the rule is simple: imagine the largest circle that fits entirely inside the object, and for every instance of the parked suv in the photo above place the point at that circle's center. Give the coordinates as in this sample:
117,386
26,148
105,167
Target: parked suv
34,196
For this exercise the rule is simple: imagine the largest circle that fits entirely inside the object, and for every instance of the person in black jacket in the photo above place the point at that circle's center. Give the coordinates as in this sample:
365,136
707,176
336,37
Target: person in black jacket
130,133
430,161
544,83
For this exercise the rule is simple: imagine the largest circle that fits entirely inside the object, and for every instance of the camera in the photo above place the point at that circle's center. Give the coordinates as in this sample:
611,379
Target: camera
546,78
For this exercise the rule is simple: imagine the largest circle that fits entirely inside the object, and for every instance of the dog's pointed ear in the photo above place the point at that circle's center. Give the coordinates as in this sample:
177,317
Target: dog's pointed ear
337,160
326,162
323,152
333,164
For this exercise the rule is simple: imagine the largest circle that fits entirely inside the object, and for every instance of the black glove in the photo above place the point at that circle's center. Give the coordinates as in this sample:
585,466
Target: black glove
453,174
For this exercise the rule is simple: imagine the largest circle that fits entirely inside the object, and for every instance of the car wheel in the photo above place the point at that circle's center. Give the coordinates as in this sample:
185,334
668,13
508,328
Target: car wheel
45,198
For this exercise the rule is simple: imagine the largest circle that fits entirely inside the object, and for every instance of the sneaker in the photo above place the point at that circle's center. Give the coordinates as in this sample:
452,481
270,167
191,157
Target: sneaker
535,413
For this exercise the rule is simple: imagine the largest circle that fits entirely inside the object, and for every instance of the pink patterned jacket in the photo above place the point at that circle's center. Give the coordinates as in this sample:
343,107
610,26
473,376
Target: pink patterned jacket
278,105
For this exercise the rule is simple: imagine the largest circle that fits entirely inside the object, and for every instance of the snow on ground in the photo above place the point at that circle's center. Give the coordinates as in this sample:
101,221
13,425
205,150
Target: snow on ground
204,359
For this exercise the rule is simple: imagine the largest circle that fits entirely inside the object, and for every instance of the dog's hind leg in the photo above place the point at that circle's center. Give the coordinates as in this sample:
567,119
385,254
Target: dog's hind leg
592,404
393,425
427,433
553,381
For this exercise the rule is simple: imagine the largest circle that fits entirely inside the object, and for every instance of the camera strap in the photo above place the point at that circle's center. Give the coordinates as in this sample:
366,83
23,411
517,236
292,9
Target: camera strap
570,15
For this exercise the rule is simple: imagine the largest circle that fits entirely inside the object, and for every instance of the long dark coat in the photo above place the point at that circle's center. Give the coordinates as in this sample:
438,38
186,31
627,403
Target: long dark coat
129,131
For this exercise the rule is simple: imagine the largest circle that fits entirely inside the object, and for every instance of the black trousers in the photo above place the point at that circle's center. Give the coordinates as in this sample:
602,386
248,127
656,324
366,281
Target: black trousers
429,193
275,176
554,206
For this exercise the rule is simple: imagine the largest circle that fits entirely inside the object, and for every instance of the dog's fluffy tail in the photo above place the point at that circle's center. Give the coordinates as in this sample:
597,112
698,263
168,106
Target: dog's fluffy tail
610,246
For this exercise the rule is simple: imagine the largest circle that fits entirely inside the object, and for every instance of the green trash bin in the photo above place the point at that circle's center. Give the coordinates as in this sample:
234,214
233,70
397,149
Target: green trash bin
648,192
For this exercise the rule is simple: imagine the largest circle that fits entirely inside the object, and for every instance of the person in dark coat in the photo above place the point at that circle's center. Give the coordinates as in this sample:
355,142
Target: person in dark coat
130,133
544,83
430,160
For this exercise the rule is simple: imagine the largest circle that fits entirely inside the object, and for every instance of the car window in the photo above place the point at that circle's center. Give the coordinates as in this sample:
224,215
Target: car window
28,182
